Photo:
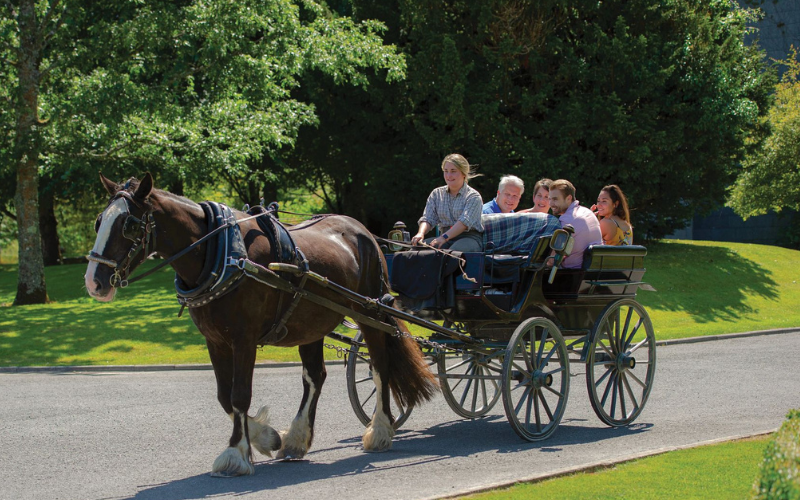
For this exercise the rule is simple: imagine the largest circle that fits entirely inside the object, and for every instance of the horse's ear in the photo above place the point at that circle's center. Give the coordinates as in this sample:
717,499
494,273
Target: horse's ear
145,187
111,186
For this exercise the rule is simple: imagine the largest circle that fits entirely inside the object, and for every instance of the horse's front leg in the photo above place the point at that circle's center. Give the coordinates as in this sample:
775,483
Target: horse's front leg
234,372
297,440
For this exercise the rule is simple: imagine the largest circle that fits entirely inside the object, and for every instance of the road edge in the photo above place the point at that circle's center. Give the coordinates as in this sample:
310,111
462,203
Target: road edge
278,364
595,466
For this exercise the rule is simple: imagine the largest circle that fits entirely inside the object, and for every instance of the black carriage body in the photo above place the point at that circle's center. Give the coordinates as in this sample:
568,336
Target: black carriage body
508,289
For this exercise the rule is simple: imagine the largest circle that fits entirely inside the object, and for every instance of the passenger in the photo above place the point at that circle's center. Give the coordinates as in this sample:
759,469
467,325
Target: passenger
615,219
569,211
509,192
541,197
455,208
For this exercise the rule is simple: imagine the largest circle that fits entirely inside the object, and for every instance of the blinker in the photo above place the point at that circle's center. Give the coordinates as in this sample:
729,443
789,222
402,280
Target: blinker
132,228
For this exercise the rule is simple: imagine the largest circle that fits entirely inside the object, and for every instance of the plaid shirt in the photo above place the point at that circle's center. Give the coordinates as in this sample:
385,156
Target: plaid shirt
443,210
516,232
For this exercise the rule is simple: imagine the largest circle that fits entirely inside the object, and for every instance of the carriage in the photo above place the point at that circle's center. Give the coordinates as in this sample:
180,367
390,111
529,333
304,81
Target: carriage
517,329
514,325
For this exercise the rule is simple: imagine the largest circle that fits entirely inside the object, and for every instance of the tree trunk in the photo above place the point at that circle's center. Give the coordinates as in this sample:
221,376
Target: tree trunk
48,227
31,287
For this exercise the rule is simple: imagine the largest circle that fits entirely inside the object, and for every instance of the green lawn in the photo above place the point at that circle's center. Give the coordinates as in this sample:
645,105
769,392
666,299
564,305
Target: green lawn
704,288
723,471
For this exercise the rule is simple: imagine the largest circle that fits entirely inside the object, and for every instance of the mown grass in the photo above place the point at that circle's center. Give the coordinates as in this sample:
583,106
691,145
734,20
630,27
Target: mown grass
704,288
725,470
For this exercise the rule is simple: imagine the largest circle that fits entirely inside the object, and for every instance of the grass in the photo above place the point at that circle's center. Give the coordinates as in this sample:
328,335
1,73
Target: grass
704,288
709,288
725,470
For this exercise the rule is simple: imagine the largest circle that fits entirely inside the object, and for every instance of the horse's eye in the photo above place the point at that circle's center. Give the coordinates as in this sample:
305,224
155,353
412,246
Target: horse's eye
97,223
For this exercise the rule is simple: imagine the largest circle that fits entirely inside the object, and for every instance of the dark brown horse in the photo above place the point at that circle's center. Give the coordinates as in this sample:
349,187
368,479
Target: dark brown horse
336,247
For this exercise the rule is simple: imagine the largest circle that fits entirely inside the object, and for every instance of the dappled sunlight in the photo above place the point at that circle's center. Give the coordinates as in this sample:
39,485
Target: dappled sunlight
708,282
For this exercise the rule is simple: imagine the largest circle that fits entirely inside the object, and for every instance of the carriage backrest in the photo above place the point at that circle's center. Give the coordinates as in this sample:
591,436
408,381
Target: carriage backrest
606,270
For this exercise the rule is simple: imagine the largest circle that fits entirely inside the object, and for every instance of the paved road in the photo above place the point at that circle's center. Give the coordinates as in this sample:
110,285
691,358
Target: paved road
154,435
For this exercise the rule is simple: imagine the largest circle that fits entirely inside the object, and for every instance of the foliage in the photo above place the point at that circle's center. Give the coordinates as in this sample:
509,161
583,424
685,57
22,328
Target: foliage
704,288
658,97
770,179
779,476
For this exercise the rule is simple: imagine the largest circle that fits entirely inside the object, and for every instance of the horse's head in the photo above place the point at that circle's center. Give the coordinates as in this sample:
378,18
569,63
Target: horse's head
124,237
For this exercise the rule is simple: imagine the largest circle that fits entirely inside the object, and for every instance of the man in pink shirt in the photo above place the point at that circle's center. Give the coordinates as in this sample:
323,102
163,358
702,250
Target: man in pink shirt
569,211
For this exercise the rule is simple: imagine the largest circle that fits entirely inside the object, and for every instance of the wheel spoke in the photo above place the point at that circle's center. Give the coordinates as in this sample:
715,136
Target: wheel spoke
599,381
627,324
525,396
557,393
644,341
608,388
545,405
636,379
541,349
617,335
630,392
611,343
614,394
464,394
621,391
536,412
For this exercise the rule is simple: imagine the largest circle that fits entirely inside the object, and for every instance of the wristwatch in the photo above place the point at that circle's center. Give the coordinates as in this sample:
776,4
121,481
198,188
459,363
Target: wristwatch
445,237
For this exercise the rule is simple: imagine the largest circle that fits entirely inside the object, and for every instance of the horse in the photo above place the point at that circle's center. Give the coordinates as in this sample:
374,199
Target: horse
141,220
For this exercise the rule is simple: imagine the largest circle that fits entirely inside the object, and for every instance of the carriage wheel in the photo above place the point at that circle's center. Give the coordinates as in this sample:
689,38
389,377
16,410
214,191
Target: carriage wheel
470,381
361,389
535,379
621,362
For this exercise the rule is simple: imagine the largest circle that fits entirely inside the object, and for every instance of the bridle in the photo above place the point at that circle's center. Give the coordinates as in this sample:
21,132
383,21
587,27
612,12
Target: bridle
141,232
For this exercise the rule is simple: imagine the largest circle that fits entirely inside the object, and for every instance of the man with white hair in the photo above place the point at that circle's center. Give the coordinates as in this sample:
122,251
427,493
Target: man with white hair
509,192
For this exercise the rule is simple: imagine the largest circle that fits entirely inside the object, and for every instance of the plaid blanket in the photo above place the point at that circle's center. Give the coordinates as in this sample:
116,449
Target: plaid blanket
516,232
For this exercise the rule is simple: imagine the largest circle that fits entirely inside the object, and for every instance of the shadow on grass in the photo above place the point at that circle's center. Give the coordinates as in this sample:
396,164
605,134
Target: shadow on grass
710,283
74,325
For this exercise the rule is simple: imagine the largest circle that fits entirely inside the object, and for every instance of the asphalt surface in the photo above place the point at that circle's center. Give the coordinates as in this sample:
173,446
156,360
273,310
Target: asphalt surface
154,434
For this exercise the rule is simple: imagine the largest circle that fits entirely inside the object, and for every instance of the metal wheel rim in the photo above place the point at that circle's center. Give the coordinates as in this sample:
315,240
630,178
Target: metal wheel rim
463,379
533,403
361,388
621,362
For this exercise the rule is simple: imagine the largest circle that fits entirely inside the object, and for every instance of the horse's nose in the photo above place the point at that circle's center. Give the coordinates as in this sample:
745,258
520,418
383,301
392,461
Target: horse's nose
97,285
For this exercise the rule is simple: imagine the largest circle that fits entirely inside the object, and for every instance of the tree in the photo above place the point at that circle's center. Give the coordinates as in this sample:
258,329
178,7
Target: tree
659,97
188,90
770,178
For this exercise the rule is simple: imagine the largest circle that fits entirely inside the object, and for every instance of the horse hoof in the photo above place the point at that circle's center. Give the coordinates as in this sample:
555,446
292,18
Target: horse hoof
226,474
290,454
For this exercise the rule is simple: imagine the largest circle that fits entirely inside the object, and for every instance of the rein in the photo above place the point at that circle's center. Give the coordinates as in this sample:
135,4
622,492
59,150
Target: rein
143,239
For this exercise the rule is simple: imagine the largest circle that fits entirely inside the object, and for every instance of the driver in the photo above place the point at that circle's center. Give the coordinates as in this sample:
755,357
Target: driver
455,208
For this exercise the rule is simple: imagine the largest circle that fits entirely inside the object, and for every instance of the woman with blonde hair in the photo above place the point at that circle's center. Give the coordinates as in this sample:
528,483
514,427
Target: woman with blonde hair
455,208
615,220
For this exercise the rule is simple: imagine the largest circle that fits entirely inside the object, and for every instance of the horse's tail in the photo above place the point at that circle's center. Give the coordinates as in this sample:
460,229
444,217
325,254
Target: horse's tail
410,378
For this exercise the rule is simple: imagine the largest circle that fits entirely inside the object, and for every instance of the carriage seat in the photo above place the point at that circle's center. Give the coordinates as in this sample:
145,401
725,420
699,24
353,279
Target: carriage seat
606,270
501,269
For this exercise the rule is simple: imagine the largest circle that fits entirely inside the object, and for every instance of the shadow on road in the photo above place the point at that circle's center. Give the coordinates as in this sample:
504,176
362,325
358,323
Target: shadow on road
484,434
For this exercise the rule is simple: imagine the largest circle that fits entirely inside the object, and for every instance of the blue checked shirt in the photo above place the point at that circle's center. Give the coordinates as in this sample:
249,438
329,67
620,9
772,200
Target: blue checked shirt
443,210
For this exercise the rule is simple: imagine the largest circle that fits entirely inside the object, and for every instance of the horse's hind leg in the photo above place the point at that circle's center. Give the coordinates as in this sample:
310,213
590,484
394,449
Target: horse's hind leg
380,431
297,440
233,369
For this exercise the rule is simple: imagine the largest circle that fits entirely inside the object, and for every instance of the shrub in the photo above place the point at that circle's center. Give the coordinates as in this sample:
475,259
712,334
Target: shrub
780,471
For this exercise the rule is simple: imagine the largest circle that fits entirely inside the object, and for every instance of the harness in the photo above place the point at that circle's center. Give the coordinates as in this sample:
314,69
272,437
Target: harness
219,276
141,232
226,257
